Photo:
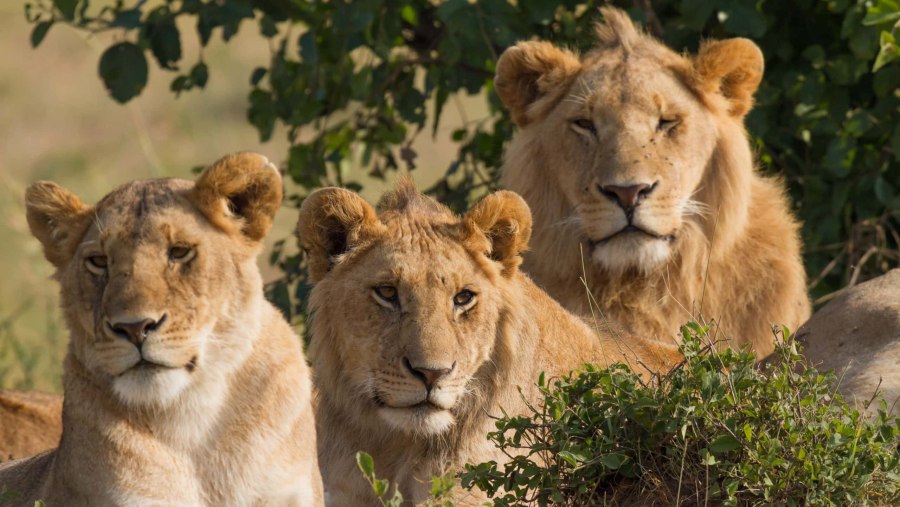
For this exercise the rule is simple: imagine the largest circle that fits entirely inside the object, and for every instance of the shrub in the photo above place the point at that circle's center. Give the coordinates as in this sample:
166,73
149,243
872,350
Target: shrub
718,429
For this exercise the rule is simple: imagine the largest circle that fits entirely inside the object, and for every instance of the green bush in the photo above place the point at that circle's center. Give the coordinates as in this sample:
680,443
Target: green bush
366,74
717,429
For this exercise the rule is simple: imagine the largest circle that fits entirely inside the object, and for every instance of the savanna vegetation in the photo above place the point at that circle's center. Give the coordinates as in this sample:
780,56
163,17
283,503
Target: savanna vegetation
355,92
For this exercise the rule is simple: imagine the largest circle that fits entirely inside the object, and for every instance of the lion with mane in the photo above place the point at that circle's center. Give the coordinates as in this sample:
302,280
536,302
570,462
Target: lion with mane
422,327
183,385
639,172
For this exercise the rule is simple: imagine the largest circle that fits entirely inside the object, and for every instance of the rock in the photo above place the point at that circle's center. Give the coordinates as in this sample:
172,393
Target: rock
857,335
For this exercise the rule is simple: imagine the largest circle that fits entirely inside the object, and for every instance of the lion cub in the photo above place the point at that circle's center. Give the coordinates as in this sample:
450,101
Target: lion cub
183,386
422,328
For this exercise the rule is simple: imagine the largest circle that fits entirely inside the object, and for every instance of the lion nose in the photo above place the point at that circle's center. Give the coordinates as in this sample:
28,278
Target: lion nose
428,376
136,332
627,196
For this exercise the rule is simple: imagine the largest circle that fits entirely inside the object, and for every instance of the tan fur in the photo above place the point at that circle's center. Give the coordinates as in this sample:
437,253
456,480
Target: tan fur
364,348
714,237
214,406
30,422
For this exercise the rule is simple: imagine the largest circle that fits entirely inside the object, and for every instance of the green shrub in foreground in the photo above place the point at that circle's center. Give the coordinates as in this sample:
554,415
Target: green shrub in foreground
718,429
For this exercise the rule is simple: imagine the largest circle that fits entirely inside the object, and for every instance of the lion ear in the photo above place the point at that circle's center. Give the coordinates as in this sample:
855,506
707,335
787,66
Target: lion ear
240,194
528,74
733,68
57,218
332,222
505,220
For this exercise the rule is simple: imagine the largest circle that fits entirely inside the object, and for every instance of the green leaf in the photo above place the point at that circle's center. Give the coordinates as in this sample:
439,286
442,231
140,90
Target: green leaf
123,68
262,113
267,27
66,7
127,19
723,443
39,32
409,14
613,461
570,458
746,20
258,74
180,84
165,43
379,487
695,13
888,53
877,18
839,157
884,191
540,11
366,464
200,74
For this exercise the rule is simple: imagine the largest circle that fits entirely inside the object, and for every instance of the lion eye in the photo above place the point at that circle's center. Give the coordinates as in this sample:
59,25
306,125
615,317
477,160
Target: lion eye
96,263
667,124
180,253
463,298
585,124
387,293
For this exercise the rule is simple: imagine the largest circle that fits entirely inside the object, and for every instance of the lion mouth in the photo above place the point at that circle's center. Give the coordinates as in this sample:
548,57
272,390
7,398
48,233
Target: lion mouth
629,230
424,405
145,365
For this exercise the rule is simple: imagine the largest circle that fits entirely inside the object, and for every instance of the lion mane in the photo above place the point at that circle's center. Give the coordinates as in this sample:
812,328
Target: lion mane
638,169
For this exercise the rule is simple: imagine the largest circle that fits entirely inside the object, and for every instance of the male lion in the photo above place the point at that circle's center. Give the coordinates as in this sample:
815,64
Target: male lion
636,159
422,327
30,422
183,386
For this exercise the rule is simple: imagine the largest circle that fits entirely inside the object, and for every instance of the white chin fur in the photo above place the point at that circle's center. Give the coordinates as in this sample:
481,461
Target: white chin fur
418,421
157,387
631,252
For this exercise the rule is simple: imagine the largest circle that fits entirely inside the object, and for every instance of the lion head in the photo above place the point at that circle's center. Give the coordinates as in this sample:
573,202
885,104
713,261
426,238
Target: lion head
408,302
158,276
640,177
626,135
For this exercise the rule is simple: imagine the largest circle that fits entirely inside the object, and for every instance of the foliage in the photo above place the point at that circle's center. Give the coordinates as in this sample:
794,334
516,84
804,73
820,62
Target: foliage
884,12
440,486
356,82
8,496
717,429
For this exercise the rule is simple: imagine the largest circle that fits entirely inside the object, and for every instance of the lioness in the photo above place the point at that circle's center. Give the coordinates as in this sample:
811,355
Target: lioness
422,327
637,166
30,422
183,386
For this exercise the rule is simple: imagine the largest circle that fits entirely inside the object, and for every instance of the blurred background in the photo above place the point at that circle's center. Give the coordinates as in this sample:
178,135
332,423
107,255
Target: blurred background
356,93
